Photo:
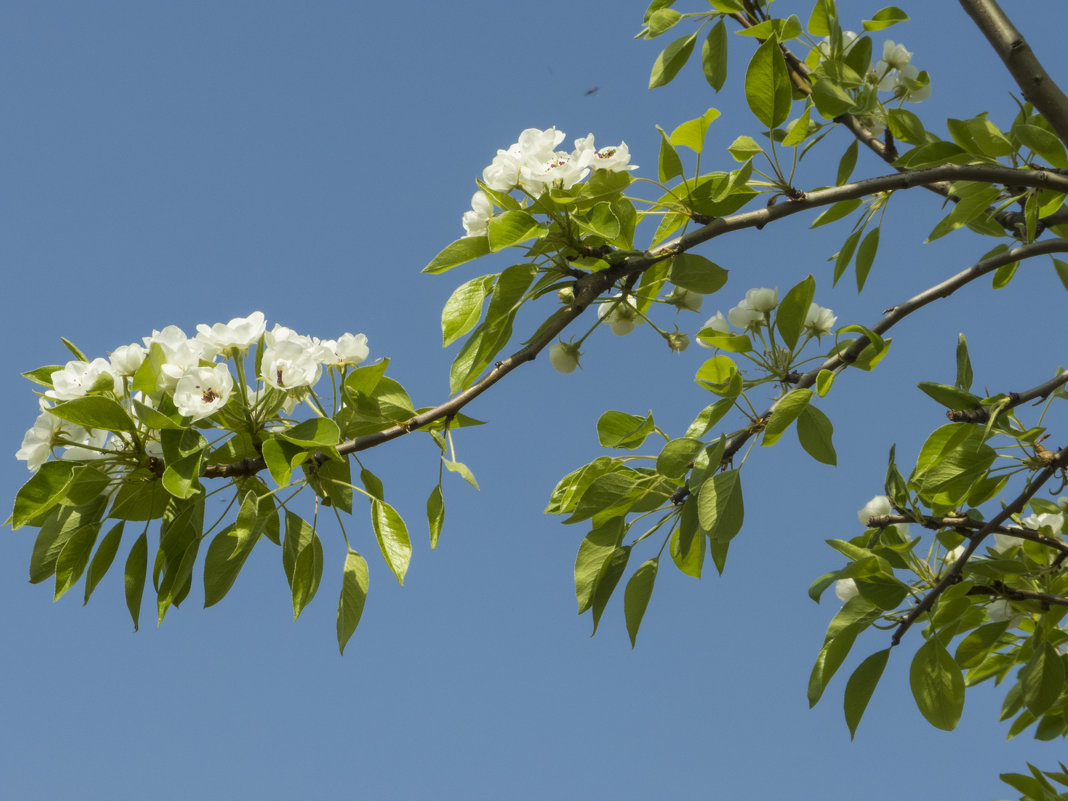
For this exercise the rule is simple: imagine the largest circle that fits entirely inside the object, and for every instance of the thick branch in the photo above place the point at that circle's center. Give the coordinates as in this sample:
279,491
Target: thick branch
982,413
954,573
1035,83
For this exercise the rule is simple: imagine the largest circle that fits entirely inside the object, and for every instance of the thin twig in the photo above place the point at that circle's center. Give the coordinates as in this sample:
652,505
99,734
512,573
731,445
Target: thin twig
981,414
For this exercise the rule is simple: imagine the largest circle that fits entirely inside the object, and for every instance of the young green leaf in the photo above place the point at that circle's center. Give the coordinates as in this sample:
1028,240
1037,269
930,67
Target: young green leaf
355,581
767,85
636,597
937,685
814,432
714,56
860,687
392,537
785,412
435,514
460,251
671,60
720,505
134,577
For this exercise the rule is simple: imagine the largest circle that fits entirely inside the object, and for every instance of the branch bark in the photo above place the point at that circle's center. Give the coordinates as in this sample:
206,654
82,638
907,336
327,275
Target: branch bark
1035,83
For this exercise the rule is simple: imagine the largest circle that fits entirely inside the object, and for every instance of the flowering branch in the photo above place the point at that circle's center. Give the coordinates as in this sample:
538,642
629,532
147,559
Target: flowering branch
953,575
968,527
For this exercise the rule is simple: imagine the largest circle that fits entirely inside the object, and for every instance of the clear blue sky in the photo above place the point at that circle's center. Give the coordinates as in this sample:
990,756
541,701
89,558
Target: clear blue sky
187,163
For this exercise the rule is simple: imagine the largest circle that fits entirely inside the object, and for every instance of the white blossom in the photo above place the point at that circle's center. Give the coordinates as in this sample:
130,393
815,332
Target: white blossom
745,317
476,221
239,334
762,300
126,359
180,352
845,589
564,357
290,364
347,349
37,442
876,507
502,175
895,57
202,391
1001,610
77,378
849,38
1053,522
678,341
621,314
89,447
685,299
819,320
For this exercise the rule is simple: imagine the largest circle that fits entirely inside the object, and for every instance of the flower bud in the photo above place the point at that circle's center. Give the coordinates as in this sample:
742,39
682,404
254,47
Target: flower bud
678,341
566,295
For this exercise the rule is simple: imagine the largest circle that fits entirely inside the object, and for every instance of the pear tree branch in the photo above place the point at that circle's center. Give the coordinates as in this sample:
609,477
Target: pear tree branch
1022,63
1014,399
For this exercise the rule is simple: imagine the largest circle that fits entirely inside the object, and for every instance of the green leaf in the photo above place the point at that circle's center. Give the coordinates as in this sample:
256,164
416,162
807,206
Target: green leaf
720,506
318,432
964,364
463,308
1062,271
302,560
661,20
814,432
798,130
790,316
786,410
466,249
229,549
950,397
866,256
687,546
462,470
906,126
95,411
134,577
714,56
392,537
355,581
885,18
1042,143
937,685
43,375
607,579
845,255
47,487
102,559
950,461
832,101
622,430
62,523
671,60
335,481
669,163
675,458
697,274
692,133
767,85
73,558
143,497
824,382
182,478
512,227
636,597
836,211
819,21
1042,678
860,687
744,148
596,548
435,514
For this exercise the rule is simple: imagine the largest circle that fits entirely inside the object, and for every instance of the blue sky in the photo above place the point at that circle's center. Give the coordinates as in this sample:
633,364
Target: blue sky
192,163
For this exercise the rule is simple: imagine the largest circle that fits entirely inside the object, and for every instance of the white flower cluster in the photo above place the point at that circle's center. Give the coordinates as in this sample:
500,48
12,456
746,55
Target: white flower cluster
752,312
536,166
198,385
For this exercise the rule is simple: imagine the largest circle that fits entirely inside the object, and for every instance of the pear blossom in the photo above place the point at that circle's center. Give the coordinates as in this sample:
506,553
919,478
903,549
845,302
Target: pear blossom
849,38
126,359
909,87
202,391
1001,610
1003,543
876,507
953,555
717,323
502,174
1053,522
564,357
845,589
347,349
77,378
684,299
181,353
745,317
819,320
476,221
37,443
239,334
895,57
290,364
621,314
762,300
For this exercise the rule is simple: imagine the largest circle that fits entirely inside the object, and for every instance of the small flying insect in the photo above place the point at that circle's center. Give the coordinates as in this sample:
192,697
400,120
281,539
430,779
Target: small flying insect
592,91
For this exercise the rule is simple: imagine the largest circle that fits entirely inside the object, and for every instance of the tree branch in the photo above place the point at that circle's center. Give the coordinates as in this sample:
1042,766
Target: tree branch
999,589
591,285
981,414
953,574
968,527
1035,83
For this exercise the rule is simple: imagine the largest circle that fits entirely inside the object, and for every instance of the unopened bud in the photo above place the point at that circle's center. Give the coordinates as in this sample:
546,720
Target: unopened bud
566,295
